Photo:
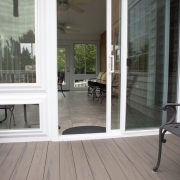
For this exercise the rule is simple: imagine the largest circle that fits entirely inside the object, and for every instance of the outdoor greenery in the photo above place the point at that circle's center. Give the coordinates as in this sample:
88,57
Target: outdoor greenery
61,59
85,58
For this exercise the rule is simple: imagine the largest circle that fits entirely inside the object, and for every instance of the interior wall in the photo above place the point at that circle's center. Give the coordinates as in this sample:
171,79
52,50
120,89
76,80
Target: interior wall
103,52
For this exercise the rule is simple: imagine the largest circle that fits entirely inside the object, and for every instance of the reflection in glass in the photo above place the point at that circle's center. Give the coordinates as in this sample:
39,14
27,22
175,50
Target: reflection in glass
116,76
26,116
17,42
151,77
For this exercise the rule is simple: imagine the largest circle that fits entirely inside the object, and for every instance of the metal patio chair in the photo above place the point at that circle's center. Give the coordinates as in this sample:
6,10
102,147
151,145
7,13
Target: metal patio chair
170,126
61,75
11,109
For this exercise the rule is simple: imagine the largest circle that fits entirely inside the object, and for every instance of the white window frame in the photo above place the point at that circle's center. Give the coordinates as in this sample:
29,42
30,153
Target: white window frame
44,91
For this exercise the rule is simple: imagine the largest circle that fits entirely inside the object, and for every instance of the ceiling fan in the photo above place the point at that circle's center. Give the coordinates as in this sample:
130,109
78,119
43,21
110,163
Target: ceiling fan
63,28
64,5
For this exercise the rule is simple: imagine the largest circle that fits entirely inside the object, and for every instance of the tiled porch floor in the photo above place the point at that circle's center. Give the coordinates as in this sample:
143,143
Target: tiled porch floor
78,109
111,159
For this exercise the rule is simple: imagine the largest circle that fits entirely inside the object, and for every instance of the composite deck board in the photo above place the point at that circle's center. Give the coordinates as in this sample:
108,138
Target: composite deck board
123,161
83,170
174,139
167,166
36,170
4,151
67,168
165,150
97,167
165,160
129,158
52,166
137,161
111,165
148,157
22,168
11,160
173,144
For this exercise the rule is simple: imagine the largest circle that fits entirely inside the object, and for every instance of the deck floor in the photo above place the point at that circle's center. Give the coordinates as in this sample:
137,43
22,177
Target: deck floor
118,159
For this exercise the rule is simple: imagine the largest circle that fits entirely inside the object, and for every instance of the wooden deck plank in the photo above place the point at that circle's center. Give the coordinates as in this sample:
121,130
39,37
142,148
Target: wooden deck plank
4,151
67,168
173,138
165,150
169,165
22,168
11,160
148,157
142,167
112,167
96,165
123,161
83,170
36,171
173,143
52,166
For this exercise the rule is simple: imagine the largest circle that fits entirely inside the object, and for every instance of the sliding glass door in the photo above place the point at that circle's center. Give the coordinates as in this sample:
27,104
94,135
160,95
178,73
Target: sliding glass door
152,60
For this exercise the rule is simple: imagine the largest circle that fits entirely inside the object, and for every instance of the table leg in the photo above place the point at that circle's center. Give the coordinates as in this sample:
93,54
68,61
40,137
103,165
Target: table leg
27,125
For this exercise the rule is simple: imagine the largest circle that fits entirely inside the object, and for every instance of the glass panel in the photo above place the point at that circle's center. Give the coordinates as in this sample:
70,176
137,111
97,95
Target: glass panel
19,116
17,42
85,58
81,83
115,78
61,62
151,77
79,58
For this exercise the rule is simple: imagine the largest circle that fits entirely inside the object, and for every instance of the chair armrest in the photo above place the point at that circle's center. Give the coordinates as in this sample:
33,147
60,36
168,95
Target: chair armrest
165,107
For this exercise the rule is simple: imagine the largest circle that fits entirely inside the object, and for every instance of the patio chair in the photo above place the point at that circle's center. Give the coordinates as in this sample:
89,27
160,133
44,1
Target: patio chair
170,126
60,79
11,109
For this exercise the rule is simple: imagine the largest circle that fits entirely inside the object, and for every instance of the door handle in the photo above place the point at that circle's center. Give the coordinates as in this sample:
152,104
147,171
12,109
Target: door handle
111,63
128,61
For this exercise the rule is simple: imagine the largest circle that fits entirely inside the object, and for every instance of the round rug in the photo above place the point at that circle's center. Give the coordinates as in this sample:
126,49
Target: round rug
84,130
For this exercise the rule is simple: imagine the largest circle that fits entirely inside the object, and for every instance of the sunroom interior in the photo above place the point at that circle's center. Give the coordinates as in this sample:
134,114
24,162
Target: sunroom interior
81,33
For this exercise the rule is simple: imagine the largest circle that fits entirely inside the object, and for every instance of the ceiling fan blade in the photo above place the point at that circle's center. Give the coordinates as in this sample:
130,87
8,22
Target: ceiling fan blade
75,8
72,30
81,1
62,31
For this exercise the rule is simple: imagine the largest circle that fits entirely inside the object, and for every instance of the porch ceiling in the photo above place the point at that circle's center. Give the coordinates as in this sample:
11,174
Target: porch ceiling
90,23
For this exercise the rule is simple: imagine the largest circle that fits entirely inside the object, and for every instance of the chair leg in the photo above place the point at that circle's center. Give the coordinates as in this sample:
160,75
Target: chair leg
161,140
11,116
62,91
5,116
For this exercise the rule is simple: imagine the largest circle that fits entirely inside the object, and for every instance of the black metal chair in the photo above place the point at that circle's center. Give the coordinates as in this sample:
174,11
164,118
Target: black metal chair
171,126
61,75
11,109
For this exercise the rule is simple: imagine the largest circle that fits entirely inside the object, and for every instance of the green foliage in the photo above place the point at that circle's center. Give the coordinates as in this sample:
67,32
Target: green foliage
85,58
61,57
